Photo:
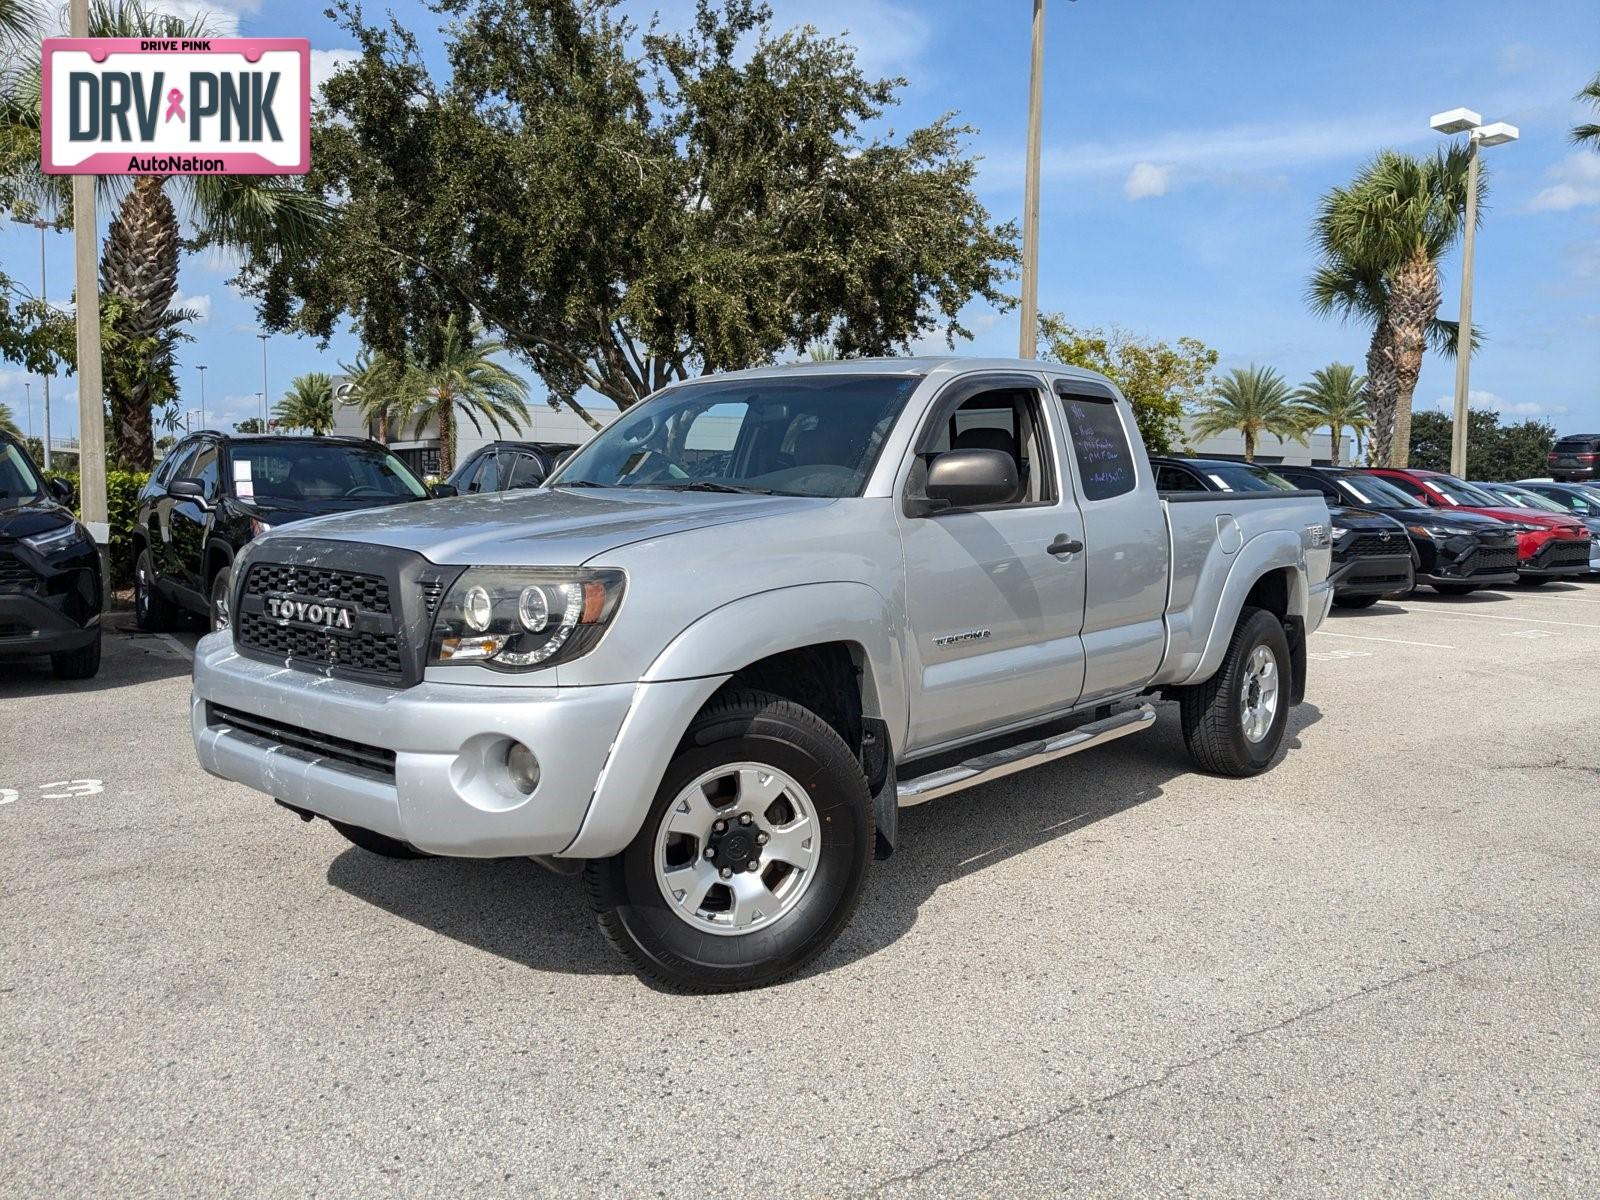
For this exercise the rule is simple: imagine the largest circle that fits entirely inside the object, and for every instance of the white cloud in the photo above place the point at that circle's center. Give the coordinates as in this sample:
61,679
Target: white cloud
325,62
1493,403
219,17
1146,179
201,305
1576,182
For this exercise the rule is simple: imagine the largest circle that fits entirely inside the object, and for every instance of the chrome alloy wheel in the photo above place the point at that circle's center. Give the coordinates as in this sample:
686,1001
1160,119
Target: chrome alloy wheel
141,588
737,849
1258,694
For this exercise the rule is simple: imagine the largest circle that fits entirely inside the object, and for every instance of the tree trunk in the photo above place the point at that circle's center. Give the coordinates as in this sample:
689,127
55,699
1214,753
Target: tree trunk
447,440
140,265
1333,453
1249,446
1413,304
1382,393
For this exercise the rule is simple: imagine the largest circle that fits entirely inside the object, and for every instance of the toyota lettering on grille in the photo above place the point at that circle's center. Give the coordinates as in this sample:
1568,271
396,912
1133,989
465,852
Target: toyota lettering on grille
310,614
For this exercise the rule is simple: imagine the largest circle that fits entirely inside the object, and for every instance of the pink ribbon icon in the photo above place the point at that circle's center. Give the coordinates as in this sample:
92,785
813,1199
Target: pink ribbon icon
175,105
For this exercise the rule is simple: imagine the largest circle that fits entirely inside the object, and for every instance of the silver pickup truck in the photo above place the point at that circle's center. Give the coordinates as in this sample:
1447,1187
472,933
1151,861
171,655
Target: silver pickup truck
709,661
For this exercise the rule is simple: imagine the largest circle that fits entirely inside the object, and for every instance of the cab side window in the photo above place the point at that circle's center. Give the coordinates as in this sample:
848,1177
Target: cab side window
1100,444
1008,420
168,470
1176,479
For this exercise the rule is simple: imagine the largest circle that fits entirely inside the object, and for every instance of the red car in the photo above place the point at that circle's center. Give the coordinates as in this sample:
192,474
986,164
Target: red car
1549,545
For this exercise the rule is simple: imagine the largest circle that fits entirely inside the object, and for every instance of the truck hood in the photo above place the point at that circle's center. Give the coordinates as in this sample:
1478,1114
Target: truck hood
548,528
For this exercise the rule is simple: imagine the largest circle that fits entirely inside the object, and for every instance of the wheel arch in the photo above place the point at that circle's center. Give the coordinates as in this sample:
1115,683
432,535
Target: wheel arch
1267,573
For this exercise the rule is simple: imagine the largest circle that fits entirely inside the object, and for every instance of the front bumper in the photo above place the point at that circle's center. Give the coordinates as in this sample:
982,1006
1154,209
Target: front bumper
32,624
1467,560
444,792
1373,575
1559,558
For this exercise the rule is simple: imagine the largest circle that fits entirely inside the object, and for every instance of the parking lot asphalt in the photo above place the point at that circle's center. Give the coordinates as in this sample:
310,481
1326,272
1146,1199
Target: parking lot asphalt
1372,970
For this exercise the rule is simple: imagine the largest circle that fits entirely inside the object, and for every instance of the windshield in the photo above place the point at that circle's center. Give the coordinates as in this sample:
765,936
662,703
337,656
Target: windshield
18,482
1375,493
1463,495
797,435
1246,477
330,475
1526,499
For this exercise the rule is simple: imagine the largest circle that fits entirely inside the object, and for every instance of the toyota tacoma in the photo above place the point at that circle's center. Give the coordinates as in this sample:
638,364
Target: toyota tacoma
709,661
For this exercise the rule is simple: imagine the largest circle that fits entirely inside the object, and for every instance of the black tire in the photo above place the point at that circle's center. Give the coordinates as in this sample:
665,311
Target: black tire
377,843
217,609
1213,730
1533,580
82,663
1455,589
664,947
152,611
1355,601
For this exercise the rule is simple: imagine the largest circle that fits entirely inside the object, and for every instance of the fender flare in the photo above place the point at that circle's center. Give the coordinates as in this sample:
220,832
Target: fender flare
1278,550
700,659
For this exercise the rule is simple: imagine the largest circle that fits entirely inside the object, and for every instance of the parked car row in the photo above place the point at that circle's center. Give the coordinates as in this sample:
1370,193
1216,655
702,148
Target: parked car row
1397,528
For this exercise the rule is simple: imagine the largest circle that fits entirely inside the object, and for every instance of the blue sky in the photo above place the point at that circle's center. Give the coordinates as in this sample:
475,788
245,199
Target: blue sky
1185,148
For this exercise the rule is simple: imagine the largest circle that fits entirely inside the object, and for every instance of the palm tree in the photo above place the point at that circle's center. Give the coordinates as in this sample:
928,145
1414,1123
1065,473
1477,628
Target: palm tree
463,377
308,404
8,423
1253,401
1381,238
1335,396
1588,133
264,214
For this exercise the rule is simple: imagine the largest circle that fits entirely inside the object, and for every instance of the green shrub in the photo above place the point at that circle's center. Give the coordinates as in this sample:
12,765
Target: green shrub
122,510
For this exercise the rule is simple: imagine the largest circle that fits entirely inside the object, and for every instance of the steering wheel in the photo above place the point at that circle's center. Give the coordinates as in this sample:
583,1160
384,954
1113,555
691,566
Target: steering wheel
365,489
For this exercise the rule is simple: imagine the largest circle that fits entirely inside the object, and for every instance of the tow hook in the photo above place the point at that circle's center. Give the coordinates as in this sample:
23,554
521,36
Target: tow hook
299,812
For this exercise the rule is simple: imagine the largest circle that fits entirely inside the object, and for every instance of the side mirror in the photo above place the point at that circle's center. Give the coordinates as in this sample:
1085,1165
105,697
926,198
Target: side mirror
439,490
970,479
187,489
61,490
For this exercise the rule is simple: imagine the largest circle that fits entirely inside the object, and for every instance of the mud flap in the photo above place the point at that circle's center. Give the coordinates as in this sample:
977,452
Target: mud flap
1295,630
877,762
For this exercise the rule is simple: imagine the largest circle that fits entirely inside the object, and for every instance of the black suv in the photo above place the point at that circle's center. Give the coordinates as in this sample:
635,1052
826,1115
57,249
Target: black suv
51,587
1576,458
215,492
1457,552
505,466
1372,556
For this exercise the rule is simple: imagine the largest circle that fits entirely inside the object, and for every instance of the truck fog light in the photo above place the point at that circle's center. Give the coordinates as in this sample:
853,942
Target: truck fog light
523,768
477,610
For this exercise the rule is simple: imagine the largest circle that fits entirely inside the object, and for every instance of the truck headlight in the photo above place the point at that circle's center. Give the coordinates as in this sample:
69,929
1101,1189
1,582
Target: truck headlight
514,619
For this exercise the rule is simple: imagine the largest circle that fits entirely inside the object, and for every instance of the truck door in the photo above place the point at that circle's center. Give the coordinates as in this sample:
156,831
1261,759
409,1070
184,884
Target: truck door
191,520
1125,535
994,595
159,530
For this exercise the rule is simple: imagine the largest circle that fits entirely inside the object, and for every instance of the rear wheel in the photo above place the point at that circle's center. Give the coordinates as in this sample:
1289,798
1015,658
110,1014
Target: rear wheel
753,854
1355,601
1233,723
82,663
377,843
1454,589
1533,580
151,610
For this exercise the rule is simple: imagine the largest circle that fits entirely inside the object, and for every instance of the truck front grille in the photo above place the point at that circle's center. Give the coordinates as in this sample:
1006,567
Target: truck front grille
368,592
371,760
371,647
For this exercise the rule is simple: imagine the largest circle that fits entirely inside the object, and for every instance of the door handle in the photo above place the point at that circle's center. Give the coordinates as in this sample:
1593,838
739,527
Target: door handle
1064,545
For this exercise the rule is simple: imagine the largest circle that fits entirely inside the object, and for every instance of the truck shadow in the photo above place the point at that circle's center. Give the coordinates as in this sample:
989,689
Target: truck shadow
520,911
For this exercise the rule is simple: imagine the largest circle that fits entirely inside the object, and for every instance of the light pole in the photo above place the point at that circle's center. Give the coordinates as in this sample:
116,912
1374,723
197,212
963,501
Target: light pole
263,338
202,371
1464,120
1028,339
44,293
91,390
27,391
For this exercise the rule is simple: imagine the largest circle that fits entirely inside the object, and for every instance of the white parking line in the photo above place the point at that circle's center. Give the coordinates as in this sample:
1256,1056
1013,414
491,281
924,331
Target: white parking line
176,645
1515,620
1397,641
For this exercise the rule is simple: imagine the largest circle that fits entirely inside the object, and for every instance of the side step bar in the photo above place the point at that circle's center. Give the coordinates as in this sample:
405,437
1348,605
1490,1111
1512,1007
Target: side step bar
1022,756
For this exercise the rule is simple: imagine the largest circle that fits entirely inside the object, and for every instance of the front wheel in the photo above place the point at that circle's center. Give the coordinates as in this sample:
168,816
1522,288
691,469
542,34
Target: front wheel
82,663
752,857
220,586
1233,723
151,610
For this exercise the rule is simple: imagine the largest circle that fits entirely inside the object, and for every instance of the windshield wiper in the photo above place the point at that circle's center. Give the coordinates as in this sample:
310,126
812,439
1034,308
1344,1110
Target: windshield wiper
579,483
707,485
